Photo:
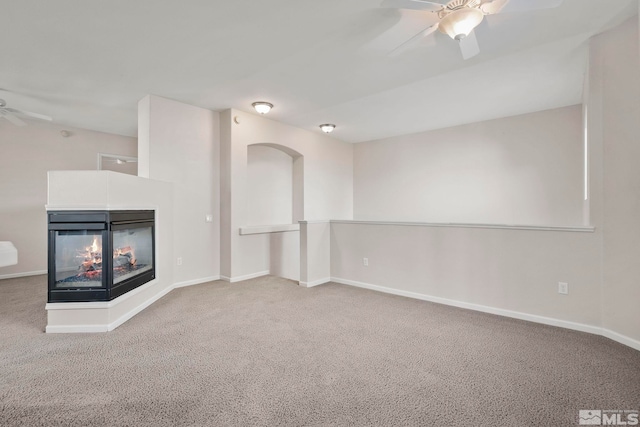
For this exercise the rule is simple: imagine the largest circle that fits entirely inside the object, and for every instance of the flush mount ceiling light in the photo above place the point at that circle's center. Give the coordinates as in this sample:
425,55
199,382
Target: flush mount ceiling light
327,127
262,107
459,23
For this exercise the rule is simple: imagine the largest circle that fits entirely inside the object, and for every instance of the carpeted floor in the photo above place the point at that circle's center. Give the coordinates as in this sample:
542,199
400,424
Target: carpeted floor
266,352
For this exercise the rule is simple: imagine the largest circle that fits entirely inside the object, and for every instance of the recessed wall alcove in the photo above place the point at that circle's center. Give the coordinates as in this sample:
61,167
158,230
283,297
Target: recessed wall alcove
275,204
275,178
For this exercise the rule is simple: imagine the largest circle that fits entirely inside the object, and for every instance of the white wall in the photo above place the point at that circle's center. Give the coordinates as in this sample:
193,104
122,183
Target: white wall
269,185
179,143
270,180
614,129
514,271
517,170
26,154
327,191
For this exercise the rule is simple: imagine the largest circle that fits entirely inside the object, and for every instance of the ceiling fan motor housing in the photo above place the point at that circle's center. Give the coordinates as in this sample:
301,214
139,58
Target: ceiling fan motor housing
459,4
460,17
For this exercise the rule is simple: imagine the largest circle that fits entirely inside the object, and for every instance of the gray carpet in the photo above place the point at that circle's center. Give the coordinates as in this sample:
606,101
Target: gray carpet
266,352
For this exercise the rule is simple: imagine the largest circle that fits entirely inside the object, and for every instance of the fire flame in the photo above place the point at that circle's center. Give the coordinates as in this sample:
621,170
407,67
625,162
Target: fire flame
94,246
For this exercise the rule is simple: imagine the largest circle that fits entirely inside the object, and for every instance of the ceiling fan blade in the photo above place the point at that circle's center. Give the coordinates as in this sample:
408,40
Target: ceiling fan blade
412,4
411,21
469,46
13,119
413,40
519,6
29,114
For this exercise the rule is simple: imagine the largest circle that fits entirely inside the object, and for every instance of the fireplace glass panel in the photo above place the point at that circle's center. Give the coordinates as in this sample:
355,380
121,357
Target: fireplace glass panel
78,259
132,252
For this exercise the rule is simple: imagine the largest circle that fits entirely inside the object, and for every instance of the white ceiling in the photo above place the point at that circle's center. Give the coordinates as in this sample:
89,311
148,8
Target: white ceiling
86,63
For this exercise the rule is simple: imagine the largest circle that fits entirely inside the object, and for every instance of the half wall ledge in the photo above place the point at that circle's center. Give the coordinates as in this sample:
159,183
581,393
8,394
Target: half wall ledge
579,229
262,229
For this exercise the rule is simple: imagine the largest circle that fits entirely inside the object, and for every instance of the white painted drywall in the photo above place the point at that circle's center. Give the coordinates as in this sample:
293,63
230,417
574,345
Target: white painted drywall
315,252
515,270
327,190
26,154
225,194
615,127
270,201
284,255
179,143
269,186
517,170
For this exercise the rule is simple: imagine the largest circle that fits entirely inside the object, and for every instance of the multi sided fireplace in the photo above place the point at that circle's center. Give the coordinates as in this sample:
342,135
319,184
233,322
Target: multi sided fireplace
99,255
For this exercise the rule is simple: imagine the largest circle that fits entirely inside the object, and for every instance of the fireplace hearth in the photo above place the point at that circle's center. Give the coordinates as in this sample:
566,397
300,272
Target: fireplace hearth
99,255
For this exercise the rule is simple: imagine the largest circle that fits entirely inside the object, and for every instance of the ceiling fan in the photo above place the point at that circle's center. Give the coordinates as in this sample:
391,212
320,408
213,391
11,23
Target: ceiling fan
458,18
10,114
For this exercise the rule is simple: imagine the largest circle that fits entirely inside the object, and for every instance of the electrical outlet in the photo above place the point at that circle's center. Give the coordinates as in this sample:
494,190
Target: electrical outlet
179,260
563,288
365,262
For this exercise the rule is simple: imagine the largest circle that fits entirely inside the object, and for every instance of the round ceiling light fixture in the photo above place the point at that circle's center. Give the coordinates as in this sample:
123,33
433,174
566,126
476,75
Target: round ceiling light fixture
327,127
459,23
262,107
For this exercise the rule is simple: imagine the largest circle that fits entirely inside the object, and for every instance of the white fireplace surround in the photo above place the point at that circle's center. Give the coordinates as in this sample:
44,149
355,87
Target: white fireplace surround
105,190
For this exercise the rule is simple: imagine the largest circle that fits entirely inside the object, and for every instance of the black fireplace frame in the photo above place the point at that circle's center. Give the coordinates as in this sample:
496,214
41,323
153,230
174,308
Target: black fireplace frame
106,222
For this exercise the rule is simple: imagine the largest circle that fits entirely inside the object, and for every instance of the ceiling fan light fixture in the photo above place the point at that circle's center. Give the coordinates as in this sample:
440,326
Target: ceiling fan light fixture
327,127
460,23
262,107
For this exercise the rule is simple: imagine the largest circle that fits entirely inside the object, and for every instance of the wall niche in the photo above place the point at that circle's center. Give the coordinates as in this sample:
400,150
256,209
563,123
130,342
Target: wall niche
275,185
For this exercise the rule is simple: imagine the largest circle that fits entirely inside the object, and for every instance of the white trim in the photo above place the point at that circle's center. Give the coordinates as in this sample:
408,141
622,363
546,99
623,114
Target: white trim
622,339
105,305
635,344
261,229
245,277
128,315
316,221
315,282
23,274
577,228
195,281
70,329
98,207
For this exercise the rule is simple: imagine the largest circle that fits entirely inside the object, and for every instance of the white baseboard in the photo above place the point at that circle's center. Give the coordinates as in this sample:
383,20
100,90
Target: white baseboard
315,282
71,329
196,281
245,277
106,305
23,274
635,344
128,315
622,339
